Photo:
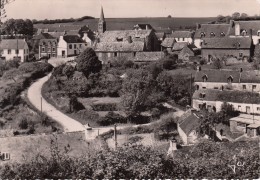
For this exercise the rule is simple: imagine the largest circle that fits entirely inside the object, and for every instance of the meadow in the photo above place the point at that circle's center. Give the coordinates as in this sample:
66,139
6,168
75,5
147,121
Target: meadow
128,23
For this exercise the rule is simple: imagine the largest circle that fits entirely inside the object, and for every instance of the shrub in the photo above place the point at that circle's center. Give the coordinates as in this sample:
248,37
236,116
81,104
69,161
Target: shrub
23,124
105,107
139,119
111,118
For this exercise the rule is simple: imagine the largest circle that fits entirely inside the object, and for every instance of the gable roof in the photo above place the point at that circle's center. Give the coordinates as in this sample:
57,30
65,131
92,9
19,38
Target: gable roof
168,42
217,75
149,56
72,39
143,26
57,34
13,44
113,36
187,50
160,35
227,43
217,29
189,122
119,46
247,25
179,46
228,96
181,34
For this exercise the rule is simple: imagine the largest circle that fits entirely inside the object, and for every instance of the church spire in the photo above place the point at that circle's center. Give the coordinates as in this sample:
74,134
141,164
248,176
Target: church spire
102,22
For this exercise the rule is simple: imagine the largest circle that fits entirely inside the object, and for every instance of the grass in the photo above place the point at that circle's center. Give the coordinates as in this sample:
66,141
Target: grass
30,146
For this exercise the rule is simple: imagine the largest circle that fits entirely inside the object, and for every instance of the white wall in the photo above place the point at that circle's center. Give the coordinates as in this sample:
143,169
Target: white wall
23,53
182,135
189,40
62,46
197,43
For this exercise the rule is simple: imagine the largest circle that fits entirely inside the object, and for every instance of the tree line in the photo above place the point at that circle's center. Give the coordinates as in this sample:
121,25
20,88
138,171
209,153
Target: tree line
53,21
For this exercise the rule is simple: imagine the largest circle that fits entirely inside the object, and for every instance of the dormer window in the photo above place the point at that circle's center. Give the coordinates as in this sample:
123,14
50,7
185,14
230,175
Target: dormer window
230,79
204,78
119,39
212,34
202,34
243,33
222,34
202,95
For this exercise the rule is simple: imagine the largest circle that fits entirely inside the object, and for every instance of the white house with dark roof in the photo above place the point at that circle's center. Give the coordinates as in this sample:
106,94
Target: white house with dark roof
182,36
70,45
14,48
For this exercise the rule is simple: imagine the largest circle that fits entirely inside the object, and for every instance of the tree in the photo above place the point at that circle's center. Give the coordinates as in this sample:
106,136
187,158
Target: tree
88,62
236,15
243,16
217,63
68,71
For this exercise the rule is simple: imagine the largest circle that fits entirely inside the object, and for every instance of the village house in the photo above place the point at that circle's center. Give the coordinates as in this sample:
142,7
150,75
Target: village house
212,100
187,127
210,31
237,47
167,44
182,36
70,45
247,124
14,49
47,45
246,81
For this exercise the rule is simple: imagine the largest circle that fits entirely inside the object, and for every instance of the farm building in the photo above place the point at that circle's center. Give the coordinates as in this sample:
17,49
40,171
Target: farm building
182,36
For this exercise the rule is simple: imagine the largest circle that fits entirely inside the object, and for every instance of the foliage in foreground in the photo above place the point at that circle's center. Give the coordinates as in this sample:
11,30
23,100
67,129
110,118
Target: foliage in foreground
204,160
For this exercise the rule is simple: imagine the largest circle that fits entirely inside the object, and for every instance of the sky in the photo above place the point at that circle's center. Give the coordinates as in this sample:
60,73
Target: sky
54,9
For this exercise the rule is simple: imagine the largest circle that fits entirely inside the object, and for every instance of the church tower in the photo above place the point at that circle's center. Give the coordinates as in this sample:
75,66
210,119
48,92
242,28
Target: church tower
101,23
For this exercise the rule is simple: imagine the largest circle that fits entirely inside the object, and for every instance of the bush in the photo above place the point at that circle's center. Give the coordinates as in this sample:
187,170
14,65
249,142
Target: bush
139,119
111,118
105,107
23,124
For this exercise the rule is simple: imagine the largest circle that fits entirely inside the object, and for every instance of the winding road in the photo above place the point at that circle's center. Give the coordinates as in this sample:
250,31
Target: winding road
69,124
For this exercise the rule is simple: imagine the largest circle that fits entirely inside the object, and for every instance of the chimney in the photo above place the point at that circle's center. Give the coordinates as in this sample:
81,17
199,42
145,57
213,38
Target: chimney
146,27
197,26
237,29
129,39
231,22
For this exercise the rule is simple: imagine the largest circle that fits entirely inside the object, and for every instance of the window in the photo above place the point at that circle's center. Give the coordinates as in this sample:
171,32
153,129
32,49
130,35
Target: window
258,33
197,87
17,51
205,78
254,87
222,34
240,54
80,45
212,34
9,51
215,87
183,39
119,39
75,46
239,107
134,54
202,95
115,54
24,51
258,108
204,88
201,43
70,46
244,87
178,39
202,35
43,49
53,49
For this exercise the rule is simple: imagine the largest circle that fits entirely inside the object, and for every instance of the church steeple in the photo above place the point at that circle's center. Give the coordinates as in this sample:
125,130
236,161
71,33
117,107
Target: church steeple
102,22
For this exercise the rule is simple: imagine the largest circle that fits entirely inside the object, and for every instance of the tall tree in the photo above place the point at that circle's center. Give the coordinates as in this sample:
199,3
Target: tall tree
88,62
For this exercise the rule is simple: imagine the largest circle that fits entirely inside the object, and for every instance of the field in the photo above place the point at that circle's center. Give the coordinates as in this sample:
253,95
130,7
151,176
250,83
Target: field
128,23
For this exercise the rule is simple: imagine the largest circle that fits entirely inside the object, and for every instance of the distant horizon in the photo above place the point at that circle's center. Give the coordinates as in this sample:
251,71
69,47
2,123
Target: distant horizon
65,9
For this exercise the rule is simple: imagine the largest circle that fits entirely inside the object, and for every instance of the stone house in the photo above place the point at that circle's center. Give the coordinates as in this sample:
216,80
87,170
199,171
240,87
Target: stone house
187,127
238,47
48,46
186,53
14,48
126,43
182,36
212,100
246,81
248,124
70,45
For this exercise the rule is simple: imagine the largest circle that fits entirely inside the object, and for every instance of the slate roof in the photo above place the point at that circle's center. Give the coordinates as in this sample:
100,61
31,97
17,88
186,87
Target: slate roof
57,34
187,50
13,44
72,39
228,96
113,36
250,77
217,75
247,25
149,56
119,47
181,34
227,43
189,122
46,41
179,46
217,29
168,42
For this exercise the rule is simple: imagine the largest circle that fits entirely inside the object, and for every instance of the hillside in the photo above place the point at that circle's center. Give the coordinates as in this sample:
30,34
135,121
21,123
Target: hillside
128,23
